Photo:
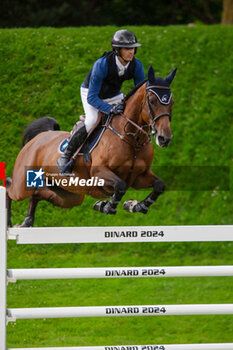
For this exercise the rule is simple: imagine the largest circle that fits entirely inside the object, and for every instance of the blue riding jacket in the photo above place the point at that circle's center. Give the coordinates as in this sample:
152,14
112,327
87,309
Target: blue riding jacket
104,82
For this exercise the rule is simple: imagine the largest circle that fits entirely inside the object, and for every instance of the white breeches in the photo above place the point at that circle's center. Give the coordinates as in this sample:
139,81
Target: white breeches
91,112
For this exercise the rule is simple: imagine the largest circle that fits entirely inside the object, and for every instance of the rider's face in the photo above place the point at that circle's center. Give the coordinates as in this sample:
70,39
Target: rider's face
127,53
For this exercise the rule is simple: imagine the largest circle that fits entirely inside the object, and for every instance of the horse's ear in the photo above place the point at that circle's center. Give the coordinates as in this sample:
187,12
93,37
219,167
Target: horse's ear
171,76
151,74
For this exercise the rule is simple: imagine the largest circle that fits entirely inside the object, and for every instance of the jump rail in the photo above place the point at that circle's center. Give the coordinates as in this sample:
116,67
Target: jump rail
213,346
129,310
110,235
119,272
121,234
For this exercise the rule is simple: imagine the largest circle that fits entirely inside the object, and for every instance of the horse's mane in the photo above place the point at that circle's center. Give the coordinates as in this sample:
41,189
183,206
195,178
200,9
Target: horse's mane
134,89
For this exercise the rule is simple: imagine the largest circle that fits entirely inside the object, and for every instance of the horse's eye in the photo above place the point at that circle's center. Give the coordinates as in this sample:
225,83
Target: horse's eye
152,101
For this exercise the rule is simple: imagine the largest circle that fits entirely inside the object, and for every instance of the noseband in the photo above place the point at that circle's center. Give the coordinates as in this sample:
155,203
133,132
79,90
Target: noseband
155,118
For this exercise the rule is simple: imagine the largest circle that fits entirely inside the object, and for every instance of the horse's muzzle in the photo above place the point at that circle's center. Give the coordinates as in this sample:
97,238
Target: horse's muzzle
163,141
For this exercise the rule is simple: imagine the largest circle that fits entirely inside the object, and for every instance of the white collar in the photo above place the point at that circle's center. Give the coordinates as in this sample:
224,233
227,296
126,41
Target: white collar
121,67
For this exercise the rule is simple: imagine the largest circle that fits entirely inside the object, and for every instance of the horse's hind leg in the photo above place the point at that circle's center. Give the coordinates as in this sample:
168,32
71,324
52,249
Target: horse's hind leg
8,202
29,219
59,198
31,210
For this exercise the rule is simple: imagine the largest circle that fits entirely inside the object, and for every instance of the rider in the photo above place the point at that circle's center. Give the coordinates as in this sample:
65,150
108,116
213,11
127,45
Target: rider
101,89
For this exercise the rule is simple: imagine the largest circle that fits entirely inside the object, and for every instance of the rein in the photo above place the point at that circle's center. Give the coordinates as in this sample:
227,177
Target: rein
135,124
123,138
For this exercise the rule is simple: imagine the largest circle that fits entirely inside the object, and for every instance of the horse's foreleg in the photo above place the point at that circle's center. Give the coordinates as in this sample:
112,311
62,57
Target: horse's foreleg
145,181
119,187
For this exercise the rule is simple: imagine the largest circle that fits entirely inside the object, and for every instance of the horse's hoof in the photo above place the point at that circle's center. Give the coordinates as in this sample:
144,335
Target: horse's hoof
22,225
133,206
129,205
28,222
108,209
99,205
104,207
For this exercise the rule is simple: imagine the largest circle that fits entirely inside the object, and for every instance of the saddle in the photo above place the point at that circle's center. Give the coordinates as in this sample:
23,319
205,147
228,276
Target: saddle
92,139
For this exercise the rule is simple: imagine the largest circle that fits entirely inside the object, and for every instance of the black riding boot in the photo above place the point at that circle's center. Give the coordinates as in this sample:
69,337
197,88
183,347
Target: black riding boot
76,140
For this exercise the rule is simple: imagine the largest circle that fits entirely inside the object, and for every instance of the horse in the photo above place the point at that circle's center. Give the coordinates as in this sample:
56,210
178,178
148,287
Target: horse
121,159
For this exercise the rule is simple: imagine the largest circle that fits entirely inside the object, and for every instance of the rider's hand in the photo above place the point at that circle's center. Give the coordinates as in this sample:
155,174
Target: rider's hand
118,109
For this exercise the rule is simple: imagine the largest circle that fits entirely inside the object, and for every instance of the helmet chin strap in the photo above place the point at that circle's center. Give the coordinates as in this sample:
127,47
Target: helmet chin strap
125,60
118,53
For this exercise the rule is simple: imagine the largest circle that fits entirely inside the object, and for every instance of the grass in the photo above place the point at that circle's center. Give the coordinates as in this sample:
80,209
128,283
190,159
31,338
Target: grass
44,79
41,71
137,330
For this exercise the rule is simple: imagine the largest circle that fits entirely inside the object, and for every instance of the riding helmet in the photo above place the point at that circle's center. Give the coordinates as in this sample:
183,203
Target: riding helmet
124,38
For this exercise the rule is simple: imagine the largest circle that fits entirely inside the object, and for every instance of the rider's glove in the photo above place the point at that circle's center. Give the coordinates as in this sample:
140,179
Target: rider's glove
118,109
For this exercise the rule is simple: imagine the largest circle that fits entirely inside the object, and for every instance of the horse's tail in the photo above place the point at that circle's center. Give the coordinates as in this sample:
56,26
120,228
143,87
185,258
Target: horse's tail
38,126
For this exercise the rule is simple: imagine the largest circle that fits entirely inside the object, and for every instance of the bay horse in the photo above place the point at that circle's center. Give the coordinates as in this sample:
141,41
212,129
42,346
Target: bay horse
122,158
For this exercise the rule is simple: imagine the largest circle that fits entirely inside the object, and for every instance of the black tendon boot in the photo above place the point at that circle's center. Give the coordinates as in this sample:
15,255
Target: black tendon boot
76,140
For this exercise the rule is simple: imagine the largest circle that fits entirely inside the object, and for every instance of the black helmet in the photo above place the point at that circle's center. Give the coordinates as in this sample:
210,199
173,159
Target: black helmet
124,38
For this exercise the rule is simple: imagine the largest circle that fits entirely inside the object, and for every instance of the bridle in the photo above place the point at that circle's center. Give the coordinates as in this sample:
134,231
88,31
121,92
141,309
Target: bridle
155,118
140,128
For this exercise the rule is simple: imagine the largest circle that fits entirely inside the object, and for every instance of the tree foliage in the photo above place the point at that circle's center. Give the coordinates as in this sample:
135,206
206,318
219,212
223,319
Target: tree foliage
61,13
